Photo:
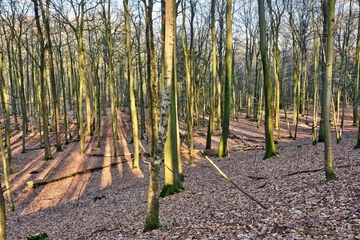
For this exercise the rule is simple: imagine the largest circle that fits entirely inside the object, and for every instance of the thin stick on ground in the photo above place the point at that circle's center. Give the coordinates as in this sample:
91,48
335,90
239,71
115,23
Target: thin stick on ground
233,183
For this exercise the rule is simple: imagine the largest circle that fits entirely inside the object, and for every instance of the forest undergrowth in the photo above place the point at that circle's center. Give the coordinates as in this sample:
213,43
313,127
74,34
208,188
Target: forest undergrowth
110,202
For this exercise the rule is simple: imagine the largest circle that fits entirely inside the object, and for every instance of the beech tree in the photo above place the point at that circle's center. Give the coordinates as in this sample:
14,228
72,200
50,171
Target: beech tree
169,18
222,149
270,148
151,81
111,77
213,77
133,111
42,68
329,19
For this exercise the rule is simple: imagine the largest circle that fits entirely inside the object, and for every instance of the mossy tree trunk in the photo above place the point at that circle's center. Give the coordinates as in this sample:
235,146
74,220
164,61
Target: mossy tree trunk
45,117
6,104
222,149
213,77
4,162
315,80
270,148
276,12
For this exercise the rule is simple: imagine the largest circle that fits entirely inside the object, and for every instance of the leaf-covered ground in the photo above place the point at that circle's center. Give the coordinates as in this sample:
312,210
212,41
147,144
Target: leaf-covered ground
111,203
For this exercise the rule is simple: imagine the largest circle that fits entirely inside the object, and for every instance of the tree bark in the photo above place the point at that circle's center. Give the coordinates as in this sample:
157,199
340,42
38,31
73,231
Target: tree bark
329,53
45,117
133,111
270,149
213,77
222,149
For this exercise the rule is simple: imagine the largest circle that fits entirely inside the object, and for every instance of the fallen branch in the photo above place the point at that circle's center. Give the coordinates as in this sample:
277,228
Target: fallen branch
233,183
353,213
316,232
35,184
256,177
304,171
319,169
231,134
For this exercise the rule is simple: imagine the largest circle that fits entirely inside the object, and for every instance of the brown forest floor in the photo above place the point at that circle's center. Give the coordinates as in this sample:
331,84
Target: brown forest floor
111,203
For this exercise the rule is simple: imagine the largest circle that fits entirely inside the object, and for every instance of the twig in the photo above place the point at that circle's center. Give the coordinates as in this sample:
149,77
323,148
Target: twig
304,171
233,183
353,213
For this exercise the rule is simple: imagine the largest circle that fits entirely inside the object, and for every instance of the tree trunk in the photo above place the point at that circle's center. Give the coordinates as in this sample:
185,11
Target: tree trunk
213,78
316,64
222,149
270,149
45,117
188,55
152,85
53,85
329,51
172,155
111,78
4,162
356,80
133,111
152,217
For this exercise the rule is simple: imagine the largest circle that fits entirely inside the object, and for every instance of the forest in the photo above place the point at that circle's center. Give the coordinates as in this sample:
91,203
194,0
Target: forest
179,119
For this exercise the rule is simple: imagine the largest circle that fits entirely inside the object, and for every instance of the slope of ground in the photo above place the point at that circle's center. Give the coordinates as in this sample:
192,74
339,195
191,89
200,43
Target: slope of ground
111,203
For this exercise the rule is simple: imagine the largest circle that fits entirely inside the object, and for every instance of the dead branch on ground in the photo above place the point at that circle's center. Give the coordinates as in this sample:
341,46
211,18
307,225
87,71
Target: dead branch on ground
37,183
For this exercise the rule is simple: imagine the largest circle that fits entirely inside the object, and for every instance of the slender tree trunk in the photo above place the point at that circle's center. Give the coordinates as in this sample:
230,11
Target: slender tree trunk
152,85
329,52
356,80
133,111
45,117
188,55
6,103
4,162
213,77
46,21
111,79
222,149
270,149
141,83
316,65
20,75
